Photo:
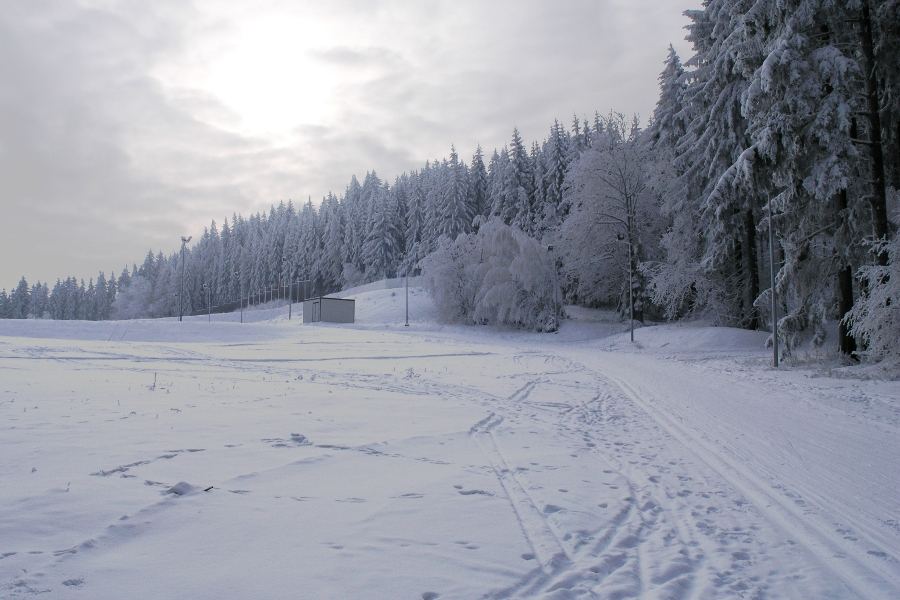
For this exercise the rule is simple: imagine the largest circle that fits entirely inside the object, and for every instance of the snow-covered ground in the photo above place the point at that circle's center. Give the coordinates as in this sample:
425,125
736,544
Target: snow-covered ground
273,459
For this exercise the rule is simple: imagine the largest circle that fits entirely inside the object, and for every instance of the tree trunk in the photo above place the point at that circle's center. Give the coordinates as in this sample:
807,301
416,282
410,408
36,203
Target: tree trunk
845,288
879,198
750,268
845,305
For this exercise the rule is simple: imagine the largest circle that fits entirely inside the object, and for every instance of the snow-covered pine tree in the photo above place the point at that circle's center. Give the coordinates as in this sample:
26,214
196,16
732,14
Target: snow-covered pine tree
800,109
502,205
354,215
380,249
668,124
455,208
20,300
415,222
307,265
40,295
331,264
520,182
715,139
554,156
478,182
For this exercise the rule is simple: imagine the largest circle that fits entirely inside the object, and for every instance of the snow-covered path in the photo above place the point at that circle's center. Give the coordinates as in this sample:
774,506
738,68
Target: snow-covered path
811,460
378,461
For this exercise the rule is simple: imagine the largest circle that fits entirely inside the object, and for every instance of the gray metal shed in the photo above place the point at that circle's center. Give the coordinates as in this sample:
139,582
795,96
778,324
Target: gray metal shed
331,310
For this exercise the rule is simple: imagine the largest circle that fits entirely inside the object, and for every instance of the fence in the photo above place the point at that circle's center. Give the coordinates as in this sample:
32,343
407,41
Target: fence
299,294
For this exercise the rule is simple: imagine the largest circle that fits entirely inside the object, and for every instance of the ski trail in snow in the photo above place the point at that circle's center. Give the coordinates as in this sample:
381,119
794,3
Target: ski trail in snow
547,548
865,581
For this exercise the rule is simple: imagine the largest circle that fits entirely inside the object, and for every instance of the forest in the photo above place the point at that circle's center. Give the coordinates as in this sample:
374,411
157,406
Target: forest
777,143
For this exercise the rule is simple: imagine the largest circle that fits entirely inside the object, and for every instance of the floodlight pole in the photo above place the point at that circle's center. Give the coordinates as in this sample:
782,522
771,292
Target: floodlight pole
291,288
631,289
407,295
241,296
208,307
556,299
184,241
772,282
622,237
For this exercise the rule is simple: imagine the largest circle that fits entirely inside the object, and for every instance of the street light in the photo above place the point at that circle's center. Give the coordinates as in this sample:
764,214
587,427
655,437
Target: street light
407,293
208,308
184,241
772,281
556,299
241,297
621,237
284,263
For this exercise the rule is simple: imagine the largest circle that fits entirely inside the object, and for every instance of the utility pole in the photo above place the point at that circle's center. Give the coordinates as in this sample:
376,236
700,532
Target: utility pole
184,241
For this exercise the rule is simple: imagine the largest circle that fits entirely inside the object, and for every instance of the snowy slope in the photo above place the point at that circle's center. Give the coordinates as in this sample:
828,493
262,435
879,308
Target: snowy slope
375,460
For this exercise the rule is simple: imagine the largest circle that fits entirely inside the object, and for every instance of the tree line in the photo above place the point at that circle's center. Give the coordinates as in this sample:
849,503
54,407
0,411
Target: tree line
785,108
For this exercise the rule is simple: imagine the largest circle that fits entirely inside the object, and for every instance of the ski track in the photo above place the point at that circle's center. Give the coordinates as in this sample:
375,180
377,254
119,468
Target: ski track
861,576
658,510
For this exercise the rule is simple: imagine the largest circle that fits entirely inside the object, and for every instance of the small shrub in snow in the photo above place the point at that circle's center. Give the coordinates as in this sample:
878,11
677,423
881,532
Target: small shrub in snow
875,319
498,275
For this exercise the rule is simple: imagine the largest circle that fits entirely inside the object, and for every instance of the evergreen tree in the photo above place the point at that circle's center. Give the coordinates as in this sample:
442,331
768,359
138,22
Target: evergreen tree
478,181
40,295
380,251
456,212
5,308
20,301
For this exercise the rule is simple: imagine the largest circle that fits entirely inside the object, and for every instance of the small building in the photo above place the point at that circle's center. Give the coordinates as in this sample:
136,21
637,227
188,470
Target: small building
331,310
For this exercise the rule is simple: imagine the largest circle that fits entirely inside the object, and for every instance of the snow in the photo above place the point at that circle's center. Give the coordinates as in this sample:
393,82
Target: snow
279,459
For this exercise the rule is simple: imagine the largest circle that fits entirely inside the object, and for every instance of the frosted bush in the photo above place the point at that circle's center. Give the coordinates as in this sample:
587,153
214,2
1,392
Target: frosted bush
498,275
875,319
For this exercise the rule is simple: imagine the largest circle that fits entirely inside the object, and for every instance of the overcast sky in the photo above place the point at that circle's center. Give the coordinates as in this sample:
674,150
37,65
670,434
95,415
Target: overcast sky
124,125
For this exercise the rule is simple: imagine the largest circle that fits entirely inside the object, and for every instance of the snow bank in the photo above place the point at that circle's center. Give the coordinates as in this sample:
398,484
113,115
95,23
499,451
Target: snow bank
674,338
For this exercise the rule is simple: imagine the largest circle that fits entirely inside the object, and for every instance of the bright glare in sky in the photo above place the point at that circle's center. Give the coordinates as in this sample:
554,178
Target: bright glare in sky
269,74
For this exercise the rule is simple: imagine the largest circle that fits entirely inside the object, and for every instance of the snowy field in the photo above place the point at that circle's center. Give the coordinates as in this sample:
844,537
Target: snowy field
273,459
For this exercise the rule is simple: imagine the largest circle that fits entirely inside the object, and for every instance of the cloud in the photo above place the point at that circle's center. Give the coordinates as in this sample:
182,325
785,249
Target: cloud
114,137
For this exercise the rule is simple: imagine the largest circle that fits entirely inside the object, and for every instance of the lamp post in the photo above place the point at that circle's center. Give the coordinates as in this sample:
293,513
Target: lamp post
772,282
284,263
208,307
407,294
556,299
621,237
241,296
184,241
